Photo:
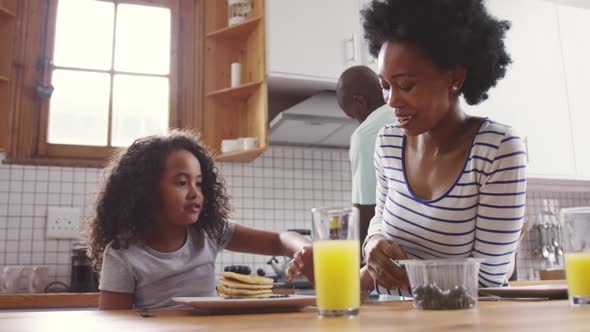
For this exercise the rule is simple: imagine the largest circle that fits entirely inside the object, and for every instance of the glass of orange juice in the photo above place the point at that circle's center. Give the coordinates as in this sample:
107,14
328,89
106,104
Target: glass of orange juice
336,260
576,245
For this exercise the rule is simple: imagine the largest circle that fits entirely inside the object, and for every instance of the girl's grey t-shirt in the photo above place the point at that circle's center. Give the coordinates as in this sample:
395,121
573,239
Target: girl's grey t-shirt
155,278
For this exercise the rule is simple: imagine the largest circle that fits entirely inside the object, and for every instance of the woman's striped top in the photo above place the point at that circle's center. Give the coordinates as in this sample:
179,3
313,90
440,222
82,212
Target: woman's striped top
481,215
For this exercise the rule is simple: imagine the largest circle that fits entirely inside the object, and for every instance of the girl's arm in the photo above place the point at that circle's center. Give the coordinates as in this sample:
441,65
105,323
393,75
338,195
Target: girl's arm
115,301
367,283
256,241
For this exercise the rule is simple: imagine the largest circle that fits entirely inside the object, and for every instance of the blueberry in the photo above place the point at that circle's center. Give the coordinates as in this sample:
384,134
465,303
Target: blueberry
261,272
430,296
242,269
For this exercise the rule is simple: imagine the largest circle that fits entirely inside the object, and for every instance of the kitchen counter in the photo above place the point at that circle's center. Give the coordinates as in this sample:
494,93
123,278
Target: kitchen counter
90,300
386,316
48,300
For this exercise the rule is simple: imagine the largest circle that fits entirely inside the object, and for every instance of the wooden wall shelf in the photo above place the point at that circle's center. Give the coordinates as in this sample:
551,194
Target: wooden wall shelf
241,111
241,29
7,12
240,156
239,92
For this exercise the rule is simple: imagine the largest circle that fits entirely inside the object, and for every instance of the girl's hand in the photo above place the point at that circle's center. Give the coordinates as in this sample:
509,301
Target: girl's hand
380,253
301,264
367,285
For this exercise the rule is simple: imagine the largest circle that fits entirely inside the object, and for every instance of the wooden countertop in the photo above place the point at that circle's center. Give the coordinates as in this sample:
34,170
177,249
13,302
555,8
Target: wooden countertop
87,300
48,300
378,316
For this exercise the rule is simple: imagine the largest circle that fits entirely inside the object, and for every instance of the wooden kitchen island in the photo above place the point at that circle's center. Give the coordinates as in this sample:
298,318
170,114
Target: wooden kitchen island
378,316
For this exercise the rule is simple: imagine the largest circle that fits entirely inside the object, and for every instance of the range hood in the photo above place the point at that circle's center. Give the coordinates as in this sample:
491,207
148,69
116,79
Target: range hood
316,121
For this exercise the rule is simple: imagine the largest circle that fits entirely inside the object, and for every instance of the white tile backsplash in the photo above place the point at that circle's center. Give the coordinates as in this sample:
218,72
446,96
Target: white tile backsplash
275,193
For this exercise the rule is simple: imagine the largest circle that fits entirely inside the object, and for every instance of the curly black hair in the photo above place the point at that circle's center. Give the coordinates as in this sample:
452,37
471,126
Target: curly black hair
451,32
128,201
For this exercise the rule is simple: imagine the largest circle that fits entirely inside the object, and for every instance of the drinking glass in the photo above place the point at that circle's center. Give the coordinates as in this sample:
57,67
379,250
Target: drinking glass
336,257
576,245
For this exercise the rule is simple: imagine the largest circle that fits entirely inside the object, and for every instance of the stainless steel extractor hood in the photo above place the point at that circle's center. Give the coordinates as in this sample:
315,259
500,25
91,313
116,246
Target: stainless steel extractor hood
316,121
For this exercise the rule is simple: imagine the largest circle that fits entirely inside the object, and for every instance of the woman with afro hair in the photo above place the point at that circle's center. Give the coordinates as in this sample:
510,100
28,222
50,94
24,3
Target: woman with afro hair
449,185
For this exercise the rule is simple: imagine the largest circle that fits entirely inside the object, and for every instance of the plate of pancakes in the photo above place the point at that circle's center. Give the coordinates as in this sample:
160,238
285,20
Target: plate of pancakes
246,293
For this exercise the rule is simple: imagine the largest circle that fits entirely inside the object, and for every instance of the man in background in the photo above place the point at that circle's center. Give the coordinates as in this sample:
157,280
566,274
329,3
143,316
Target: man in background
359,96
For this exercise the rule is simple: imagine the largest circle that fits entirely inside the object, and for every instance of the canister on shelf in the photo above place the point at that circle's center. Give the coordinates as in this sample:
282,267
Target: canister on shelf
238,11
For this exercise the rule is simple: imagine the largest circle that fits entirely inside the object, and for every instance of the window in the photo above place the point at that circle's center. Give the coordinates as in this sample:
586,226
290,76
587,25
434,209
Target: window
106,73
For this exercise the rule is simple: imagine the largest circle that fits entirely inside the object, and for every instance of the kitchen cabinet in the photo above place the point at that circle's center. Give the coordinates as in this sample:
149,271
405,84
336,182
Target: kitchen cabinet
312,40
574,22
240,111
542,96
533,97
365,57
8,10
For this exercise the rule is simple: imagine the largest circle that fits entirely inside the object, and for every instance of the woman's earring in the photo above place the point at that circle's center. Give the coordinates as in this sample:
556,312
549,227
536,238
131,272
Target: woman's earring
454,88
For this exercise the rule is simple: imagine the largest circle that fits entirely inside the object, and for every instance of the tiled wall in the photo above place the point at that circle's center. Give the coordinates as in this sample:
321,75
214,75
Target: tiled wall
528,263
275,192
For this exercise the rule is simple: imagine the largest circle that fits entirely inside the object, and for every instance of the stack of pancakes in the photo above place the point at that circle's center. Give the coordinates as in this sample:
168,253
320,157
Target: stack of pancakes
241,285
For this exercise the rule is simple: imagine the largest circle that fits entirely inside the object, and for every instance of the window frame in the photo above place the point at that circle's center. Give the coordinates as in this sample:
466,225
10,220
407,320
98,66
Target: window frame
34,42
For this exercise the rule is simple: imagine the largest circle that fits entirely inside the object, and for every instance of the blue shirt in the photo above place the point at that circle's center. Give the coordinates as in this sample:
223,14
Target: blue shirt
362,150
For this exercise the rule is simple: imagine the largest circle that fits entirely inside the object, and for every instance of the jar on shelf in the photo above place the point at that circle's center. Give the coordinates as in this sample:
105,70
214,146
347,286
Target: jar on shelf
238,11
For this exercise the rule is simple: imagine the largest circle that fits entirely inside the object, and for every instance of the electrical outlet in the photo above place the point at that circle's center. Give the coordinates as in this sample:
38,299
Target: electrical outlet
63,222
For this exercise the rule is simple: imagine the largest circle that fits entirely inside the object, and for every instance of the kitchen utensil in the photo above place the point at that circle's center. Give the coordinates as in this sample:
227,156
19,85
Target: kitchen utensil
557,243
544,249
82,278
576,245
279,267
489,297
545,223
552,291
280,264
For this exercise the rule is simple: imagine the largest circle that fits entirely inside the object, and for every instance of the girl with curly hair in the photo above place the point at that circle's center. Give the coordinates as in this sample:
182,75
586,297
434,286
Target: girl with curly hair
161,218
449,185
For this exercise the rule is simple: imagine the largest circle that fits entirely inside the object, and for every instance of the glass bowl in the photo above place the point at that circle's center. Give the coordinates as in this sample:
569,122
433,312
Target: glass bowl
443,284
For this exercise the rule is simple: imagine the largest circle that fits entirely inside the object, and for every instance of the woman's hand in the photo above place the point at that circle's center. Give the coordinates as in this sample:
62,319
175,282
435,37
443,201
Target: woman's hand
301,264
380,253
